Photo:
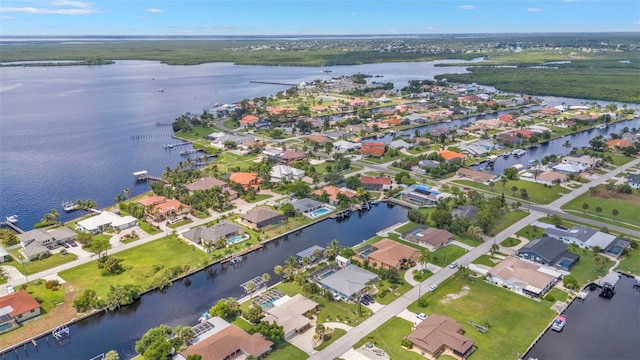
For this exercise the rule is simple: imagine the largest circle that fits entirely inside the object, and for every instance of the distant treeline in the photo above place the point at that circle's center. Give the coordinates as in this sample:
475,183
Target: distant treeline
57,63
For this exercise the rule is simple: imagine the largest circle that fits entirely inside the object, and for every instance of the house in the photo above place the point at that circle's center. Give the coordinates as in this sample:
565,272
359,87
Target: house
344,146
390,254
104,221
634,180
336,134
309,252
333,191
478,176
431,238
306,205
248,120
375,183
400,144
568,169
280,173
585,161
467,211
429,164
450,156
437,334
549,251
421,195
168,210
16,308
221,340
4,255
474,149
348,282
291,314
550,177
372,149
261,217
565,124
288,156
207,183
506,118
246,179
221,142
415,119
224,229
523,277
550,111
618,144
582,236
152,200
49,239
319,139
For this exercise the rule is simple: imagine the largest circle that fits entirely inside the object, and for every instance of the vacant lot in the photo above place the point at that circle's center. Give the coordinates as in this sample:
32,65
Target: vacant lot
626,204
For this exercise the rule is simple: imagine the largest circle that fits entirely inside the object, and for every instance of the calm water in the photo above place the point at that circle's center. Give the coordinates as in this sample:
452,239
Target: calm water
65,132
597,328
183,303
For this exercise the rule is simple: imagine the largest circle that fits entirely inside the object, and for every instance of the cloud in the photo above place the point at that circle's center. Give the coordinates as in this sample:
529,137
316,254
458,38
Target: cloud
153,10
533,9
466,7
59,7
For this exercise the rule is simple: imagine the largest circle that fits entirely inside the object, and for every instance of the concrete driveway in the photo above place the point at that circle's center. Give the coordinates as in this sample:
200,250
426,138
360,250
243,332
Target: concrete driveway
304,341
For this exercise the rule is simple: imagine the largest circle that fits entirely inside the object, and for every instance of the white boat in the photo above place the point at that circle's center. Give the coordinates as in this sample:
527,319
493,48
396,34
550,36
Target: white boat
69,206
12,219
492,158
161,90
204,317
506,155
558,323
518,152
601,126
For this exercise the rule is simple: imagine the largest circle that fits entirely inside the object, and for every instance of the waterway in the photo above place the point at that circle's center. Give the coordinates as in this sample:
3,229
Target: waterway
79,132
183,303
597,328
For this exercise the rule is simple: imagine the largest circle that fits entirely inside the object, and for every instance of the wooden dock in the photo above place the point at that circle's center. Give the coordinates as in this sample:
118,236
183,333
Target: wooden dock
12,226
171,146
341,214
271,83
232,258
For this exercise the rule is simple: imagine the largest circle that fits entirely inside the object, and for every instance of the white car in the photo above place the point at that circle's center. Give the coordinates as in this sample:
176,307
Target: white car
10,289
421,316
433,287
453,265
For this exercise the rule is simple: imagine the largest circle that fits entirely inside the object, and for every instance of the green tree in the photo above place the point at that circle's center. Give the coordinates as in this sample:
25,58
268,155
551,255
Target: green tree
424,258
332,250
251,287
441,218
99,246
8,237
598,210
254,314
184,333
416,216
513,190
615,213
288,210
585,207
511,173
570,282
112,355
265,278
155,342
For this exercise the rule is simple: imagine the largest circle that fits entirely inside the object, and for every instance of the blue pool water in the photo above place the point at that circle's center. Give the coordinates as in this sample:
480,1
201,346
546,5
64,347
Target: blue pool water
235,239
320,211
365,253
564,263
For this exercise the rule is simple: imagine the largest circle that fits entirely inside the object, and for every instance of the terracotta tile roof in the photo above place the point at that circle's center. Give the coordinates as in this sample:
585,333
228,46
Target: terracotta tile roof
450,155
375,180
318,138
151,200
169,206
393,121
244,178
490,103
619,142
227,342
205,183
508,118
249,120
20,301
333,192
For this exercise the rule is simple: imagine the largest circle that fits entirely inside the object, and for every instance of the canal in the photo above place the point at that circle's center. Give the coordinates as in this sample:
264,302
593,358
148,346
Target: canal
597,328
182,303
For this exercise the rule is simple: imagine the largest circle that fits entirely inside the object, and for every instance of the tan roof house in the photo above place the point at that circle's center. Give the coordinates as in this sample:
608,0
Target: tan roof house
440,334
523,277
392,254
291,315
431,238
229,343
261,216
17,307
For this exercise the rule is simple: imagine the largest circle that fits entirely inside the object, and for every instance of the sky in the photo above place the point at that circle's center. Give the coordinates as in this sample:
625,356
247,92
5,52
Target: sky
313,17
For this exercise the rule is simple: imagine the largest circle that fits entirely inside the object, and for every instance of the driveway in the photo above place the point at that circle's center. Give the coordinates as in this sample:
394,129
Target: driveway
462,245
409,316
304,341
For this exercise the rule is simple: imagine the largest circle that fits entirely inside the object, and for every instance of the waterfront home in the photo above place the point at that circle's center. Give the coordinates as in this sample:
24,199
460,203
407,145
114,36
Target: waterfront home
524,277
217,339
344,146
506,118
309,252
380,183
415,119
467,211
152,200
248,120
633,180
421,195
167,210
475,150
333,192
585,161
437,334
222,230
292,314
306,206
548,177
482,177
16,308
587,238
348,282
430,238
549,251
376,149
262,217
400,144
207,183
49,239
616,145
389,254
246,179
336,134
569,169
451,156
106,221
223,141
280,173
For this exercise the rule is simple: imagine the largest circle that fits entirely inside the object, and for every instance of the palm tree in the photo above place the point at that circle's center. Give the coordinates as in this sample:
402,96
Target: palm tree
127,193
278,270
332,250
250,286
306,261
615,213
598,210
317,254
55,215
585,207
265,278
567,144
424,258
80,204
514,189
504,180
119,198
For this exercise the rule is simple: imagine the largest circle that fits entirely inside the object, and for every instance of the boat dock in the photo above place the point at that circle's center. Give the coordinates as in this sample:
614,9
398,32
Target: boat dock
190,151
171,146
12,226
237,257
143,175
271,83
341,214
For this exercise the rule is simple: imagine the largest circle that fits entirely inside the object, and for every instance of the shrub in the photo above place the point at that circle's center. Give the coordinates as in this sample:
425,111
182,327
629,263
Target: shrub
550,297
406,343
422,302
52,285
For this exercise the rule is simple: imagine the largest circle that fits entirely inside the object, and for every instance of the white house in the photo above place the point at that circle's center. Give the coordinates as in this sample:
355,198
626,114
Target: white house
106,220
584,161
280,173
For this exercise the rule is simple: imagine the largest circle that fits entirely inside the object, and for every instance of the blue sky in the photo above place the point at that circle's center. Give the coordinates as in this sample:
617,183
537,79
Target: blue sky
313,17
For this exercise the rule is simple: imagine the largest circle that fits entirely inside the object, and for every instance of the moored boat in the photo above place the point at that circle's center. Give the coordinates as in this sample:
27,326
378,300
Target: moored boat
558,323
518,152
69,206
12,219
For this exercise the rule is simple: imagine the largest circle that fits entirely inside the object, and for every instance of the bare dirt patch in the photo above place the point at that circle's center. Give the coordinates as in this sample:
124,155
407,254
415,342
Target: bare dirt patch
447,299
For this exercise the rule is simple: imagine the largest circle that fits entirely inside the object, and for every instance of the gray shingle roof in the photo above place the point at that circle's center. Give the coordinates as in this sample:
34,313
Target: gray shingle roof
545,247
212,233
348,281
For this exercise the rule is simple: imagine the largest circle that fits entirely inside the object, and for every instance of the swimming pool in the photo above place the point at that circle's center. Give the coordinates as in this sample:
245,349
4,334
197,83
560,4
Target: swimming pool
235,239
365,253
320,212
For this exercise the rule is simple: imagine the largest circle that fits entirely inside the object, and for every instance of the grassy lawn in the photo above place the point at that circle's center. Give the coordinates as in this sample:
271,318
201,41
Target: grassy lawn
422,275
510,242
514,320
197,133
486,260
388,336
507,220
285,350
259,197
626,204
36,266
385,159
151,230
450,253
619,159
467,239
538,193
558,295
406,227
141,263
391,291
631,262
586,270
180,223
227,159
48,299
330,338
530,232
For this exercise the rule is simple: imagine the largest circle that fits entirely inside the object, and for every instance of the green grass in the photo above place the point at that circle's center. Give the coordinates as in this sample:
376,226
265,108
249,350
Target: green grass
330,338
558,294
631,262
36,266
149,229
626,204
453,252
514,320
538,193
259,197
468,240
530,232
510,242
48,299
285,350
388,336
507,220
180,223
139,262
406,227
423,275
586,270
485,260
395,290
619,159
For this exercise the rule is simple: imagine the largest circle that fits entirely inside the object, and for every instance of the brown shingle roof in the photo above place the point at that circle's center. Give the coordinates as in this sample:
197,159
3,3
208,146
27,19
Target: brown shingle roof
437,331
205,183
375,180
228,341
391,253
436,237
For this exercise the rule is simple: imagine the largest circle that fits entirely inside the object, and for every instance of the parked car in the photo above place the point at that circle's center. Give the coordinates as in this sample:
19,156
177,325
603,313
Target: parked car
421,316
369,298
433,287
337,297
561,227
65,245
364,300
10,289
453,265
73,243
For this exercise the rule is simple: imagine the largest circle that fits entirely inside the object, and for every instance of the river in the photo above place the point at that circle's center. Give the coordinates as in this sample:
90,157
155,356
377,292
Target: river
183,303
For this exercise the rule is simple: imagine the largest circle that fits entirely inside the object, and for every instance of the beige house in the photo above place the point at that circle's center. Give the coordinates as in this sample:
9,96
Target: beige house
524,277
439,334
291,314
391,254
